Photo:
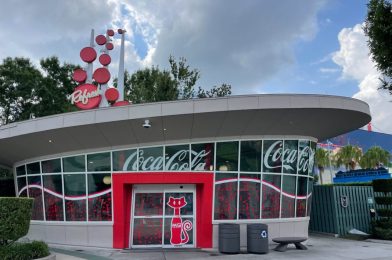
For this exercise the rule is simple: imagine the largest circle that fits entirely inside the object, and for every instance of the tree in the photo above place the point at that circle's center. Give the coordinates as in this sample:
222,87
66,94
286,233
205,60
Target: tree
348,156
184,77
378,27
19,80
322,160
375,157
222,91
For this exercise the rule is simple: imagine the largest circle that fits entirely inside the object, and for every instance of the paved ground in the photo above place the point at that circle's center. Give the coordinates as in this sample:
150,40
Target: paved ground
320,248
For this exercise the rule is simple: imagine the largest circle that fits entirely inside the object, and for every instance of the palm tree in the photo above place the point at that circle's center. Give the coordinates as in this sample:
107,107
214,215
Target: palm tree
348,156
322,159
375,157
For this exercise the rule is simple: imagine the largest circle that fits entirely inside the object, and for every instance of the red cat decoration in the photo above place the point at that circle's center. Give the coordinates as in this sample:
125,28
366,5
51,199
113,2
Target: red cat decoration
179,229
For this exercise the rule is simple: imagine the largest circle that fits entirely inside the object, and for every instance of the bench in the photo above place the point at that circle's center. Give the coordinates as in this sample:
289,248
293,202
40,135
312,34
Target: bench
284,241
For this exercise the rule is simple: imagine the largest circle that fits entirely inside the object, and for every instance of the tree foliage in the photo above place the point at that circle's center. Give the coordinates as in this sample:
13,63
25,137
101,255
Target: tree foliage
378,27
184,77
375,157
348,156
322,160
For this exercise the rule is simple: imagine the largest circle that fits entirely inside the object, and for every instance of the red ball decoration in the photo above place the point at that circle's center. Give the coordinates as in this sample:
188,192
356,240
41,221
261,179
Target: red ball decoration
109,46
105,59
101,75
88,54
112,95
100,39
110,32
79,75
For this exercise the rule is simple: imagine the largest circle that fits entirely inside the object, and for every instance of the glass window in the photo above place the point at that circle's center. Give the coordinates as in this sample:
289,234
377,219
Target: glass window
310,196
249,196
22,186
53,197
147,231
311,158
271,195
74,164
185,198
20,170
33,168
272,158
171,239
202,157
290,156
251,156
302,186
98,162
225,196
35,192
99,197
148,204
151,159
227,156
303,157
125,160
288,196
75,197
177,158
51,166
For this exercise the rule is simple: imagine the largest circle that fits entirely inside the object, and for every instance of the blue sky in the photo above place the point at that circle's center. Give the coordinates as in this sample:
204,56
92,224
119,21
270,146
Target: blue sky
286,46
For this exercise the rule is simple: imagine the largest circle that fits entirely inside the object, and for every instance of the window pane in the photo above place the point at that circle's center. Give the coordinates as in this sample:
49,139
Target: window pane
33,168
22,186
187,202
177,158
51,166
302,186
75,194
272,156
310,196
53,196
151,159
290,156
20,170
98,162
202,157
147,231
225,196
74,164
125,160
35,191
251,156
271,196
249,200
186,232
100,197
303,157
227,156
311,158
288,197
148,204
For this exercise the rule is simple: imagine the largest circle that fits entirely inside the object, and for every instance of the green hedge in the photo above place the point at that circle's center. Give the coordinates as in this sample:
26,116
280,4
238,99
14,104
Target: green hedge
382,228
15,215
383,200
34,250
384,213
382,185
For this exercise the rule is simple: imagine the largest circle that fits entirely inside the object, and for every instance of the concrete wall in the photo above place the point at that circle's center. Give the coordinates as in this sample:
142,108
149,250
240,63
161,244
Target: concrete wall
276,228
79,234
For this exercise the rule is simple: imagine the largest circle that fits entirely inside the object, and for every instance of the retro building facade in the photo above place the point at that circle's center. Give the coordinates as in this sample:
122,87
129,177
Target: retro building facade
107,177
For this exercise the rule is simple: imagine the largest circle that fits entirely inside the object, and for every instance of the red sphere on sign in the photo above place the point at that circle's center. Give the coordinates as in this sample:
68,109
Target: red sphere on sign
121,103
110,32
100,39
109,46
112,94
79,75
105,59
101,75
88,54
86,96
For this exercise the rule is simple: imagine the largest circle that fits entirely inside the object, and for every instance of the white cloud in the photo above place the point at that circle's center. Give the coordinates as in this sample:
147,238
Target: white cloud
353,57
329,70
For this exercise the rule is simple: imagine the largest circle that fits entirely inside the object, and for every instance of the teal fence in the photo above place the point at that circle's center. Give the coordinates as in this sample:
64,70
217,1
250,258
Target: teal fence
338,209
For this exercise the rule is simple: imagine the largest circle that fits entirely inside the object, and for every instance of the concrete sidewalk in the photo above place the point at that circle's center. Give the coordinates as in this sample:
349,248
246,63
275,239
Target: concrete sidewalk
319,248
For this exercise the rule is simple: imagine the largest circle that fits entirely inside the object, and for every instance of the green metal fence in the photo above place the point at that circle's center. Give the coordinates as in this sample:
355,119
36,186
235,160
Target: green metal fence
338,209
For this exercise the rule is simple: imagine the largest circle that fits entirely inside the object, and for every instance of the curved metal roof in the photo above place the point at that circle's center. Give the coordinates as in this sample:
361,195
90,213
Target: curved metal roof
317,116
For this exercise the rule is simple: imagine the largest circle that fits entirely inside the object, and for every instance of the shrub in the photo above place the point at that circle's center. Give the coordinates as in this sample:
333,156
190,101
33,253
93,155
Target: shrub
15,215
20,251
382,185
382,228
387,213
383,200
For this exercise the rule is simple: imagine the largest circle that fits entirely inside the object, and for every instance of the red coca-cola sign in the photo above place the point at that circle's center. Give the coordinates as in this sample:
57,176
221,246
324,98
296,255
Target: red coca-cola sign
86,96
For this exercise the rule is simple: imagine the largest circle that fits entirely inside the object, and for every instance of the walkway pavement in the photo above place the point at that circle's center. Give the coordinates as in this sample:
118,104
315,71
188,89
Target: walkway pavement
319,248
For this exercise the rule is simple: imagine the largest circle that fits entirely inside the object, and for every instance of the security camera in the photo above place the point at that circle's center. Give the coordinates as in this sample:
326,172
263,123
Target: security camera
146,123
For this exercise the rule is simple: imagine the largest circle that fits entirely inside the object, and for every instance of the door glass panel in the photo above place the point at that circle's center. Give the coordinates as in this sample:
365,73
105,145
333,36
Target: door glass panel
178,231
148,204
184,205
147,231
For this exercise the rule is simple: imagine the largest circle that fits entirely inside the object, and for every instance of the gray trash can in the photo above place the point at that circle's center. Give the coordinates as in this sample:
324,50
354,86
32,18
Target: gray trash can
229,238
257,238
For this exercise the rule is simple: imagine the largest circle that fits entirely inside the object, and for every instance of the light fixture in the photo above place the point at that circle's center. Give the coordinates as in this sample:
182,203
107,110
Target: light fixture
107,180
146,124
223,168
50,141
